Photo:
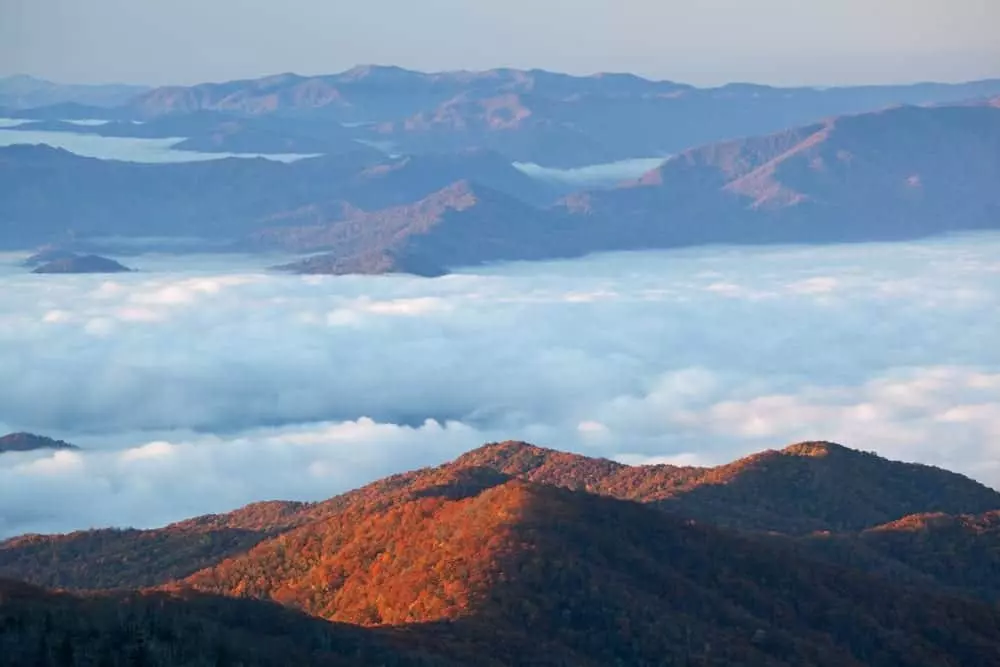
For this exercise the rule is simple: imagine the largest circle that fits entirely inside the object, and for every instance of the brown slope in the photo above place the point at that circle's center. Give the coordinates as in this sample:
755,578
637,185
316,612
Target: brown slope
113,558
397,182
795,491
251,97
900,173
528,574
463,224
410,178
800,489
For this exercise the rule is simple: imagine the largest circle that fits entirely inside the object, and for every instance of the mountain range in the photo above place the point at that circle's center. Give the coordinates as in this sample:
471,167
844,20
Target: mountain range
518,555
901,173
532,116
538,116
27,92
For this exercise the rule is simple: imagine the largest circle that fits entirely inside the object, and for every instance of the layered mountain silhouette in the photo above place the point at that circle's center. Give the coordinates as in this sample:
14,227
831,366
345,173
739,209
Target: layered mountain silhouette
537,116
482,561
902,173
22,92
50,195
547,118
885,175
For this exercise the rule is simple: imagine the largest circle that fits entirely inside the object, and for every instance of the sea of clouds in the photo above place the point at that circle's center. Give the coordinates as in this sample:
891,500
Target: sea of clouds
202,383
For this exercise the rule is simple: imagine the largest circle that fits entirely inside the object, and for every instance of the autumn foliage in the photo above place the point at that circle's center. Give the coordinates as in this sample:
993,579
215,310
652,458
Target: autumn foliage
517,555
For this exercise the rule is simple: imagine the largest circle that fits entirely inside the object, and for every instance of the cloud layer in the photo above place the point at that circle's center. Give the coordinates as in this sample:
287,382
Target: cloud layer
200,384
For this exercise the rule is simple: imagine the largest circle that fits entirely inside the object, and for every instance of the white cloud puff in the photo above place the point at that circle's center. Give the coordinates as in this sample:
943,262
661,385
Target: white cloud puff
203,383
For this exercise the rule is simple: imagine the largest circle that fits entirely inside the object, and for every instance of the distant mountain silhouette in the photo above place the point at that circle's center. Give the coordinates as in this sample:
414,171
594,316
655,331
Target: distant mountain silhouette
537,116
48,254
225,200
213,132
26,442
64,111
81,264
462,220
902,173
21,92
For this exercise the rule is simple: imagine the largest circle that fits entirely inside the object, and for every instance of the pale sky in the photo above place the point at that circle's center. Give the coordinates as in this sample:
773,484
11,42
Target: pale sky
704,42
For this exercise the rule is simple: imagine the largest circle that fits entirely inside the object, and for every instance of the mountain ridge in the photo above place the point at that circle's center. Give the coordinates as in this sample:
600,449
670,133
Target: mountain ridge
20,91
465,563
548,118
750,494
897,174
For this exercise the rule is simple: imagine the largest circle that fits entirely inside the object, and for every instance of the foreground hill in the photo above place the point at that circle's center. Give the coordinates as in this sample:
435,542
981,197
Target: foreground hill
505,572
796,491
960,553
472,563
561,577
129,558
806,487
40,628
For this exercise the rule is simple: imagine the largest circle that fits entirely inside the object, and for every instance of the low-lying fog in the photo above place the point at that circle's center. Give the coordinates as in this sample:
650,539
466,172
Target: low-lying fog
593,176
128,149
202,383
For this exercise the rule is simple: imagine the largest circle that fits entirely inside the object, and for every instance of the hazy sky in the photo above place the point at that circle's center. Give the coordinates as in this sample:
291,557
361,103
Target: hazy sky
703,42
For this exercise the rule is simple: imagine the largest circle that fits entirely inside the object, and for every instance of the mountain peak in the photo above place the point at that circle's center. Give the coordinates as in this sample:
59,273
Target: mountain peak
818,449
497,453
362,72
